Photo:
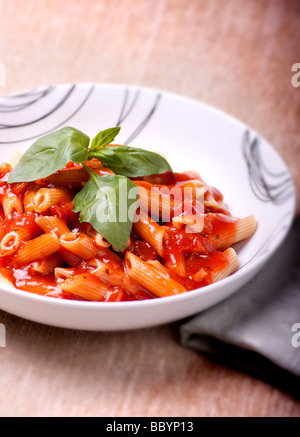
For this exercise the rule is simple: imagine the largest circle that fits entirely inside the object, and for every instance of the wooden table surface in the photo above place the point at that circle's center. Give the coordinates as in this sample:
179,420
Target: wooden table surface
236,55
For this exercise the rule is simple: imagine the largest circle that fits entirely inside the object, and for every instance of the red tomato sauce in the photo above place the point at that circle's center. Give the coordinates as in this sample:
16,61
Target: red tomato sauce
196,249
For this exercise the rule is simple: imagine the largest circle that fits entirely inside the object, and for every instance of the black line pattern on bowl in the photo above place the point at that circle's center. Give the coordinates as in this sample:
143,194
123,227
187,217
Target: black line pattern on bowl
34,97
63,100
145,121
42,117
125,112
128,107
29,93
267,185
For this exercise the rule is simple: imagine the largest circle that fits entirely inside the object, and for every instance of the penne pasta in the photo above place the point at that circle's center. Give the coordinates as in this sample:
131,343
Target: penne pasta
115,276
79,244
29,197
47,264
76,177
52,224
47,197
86,286
62,273
150,278
11,242
59,227
11,204
73,176
230,268
180,235
38,248
240,230
150,231
159,267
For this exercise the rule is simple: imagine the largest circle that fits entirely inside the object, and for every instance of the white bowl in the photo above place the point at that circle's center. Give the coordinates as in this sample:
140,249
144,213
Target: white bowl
193,136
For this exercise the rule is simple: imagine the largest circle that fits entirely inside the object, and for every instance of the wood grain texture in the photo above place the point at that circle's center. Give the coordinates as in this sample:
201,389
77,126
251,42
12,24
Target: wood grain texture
231,54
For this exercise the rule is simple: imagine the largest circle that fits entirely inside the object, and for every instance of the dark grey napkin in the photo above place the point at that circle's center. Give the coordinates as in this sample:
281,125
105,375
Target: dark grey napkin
258,328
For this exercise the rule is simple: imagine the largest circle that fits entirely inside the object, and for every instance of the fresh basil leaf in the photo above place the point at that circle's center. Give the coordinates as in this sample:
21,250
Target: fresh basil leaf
108,203
51,153
104,138
132,162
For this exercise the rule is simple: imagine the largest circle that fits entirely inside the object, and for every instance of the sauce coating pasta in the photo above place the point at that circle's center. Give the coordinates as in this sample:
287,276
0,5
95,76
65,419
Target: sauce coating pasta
181,238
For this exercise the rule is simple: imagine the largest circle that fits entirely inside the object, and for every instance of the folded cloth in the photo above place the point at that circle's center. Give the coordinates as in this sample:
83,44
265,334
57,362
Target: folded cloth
257,329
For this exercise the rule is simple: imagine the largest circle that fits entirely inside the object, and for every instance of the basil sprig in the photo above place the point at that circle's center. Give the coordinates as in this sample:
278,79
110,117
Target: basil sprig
108,203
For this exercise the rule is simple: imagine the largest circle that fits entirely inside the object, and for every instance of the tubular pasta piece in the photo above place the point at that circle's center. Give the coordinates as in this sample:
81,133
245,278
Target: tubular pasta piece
159,267
243,228
76,177
79,244
12,203
150,278
70,258
116,277
99,241
69,176
47,197
86,286
38,248
11,242
48,264
59,227
52,224
62,273
151,232
29,198
232,266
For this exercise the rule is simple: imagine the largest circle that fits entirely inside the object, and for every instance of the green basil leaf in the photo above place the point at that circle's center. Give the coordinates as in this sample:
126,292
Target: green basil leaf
132,162
51,153
104,138
108,203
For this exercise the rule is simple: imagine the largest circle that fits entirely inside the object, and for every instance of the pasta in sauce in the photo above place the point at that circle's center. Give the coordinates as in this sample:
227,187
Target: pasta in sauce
44,248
